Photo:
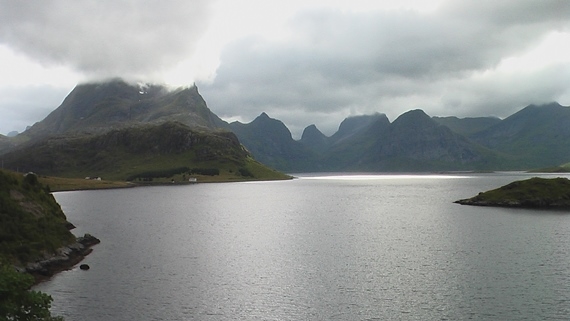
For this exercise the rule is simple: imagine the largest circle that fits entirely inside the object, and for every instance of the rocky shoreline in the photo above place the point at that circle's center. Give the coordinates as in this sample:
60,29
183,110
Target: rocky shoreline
65,258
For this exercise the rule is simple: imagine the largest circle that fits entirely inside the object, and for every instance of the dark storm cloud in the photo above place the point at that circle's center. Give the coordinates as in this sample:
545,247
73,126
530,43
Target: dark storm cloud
343,63
104,38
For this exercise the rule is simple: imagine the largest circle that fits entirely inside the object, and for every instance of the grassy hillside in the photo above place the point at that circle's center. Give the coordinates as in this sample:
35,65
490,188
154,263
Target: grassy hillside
31,221
142,154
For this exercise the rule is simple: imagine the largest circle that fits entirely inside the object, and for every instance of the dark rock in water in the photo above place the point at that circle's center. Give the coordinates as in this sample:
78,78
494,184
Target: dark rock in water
88,240
84,267
531,193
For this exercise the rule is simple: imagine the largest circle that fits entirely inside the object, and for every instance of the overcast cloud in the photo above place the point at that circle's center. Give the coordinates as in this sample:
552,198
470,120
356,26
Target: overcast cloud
104,38
302,62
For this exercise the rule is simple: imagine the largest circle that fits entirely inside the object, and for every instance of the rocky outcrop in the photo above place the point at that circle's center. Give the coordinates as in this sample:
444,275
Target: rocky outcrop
64,259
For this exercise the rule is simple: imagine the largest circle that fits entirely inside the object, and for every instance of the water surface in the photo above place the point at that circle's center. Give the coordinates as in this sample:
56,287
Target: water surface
348,247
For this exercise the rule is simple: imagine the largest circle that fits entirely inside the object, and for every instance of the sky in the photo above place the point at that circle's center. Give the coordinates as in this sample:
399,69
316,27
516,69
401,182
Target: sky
302,62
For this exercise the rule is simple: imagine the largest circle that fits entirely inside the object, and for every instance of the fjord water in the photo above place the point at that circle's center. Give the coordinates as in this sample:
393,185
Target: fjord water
354,247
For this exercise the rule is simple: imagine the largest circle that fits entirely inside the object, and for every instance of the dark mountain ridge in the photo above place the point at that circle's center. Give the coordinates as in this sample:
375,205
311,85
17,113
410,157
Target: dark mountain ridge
536,136
272,143
355,125
416,140
467,126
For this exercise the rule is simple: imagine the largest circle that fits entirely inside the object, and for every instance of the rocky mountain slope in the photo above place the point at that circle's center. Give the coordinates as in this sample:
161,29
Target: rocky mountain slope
101,107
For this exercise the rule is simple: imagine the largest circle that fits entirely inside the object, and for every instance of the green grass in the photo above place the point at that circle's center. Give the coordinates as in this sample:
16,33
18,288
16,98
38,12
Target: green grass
58,184
228,172
157,152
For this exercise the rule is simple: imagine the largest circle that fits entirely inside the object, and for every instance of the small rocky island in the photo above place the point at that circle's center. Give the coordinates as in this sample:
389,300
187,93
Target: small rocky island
531,193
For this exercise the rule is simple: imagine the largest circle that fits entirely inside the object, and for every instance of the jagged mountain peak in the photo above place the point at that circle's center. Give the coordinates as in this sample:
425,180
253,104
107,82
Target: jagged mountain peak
314,138
311,131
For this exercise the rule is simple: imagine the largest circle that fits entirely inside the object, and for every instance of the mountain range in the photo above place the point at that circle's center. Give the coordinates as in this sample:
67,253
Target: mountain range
123,130
534,137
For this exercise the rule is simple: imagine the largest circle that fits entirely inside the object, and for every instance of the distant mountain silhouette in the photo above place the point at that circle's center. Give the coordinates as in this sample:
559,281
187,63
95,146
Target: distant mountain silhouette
414,141
537,136
270,141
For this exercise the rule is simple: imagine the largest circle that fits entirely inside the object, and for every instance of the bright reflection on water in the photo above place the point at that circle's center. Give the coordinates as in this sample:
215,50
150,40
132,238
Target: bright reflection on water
366,247
361,177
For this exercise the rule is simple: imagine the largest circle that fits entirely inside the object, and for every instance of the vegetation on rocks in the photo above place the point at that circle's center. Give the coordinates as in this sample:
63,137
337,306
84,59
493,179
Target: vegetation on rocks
531,193
31,221
158,152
